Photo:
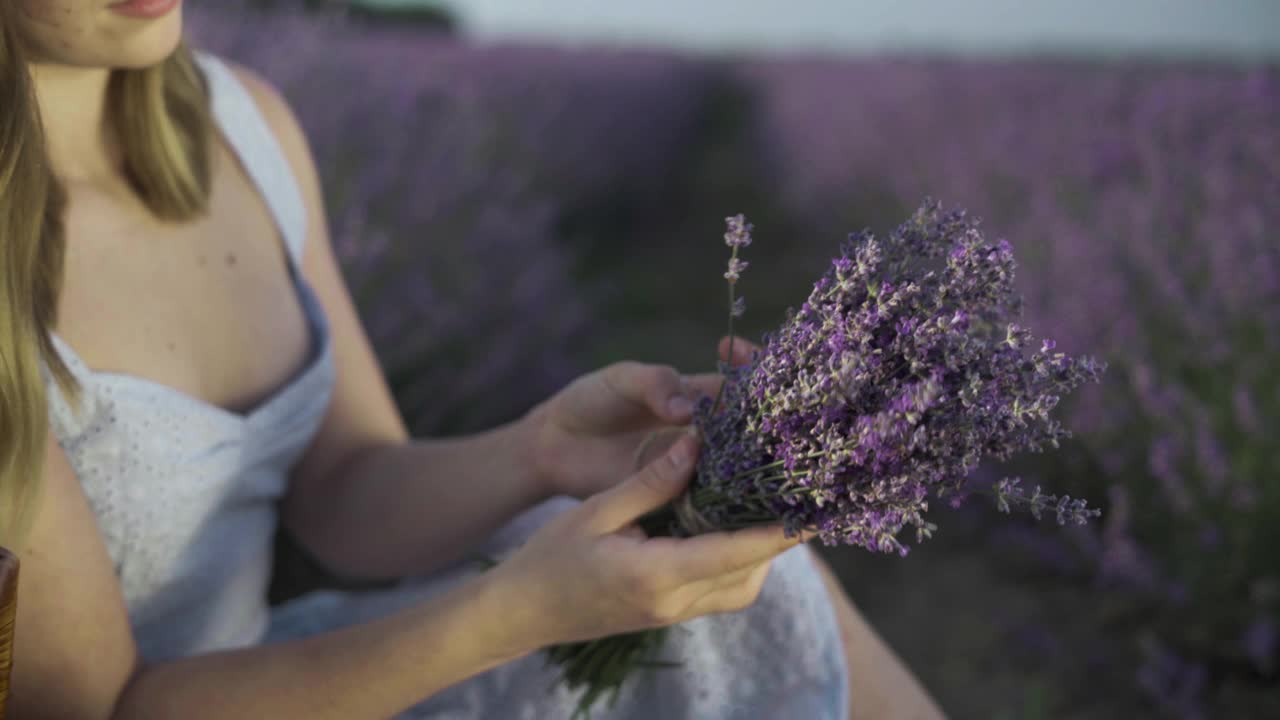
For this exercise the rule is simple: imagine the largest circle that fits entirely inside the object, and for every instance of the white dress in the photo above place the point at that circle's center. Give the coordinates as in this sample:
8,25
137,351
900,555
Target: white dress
185,494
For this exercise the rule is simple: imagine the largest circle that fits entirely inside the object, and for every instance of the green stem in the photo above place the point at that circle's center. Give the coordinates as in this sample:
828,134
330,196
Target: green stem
772,465
720,393
770,478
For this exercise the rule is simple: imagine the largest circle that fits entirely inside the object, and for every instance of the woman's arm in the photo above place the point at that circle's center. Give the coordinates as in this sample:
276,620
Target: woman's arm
76,658
403,509
372,670
881,687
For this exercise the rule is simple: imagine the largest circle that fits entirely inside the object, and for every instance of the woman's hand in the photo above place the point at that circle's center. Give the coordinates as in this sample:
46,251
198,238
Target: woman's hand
586,436
591,572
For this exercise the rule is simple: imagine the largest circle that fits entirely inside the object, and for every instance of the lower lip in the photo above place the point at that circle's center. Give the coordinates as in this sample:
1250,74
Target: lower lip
145,8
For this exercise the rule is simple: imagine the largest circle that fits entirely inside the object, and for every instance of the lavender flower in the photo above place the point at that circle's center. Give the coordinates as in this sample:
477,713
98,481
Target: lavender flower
739,233
736,268
737,236
884,389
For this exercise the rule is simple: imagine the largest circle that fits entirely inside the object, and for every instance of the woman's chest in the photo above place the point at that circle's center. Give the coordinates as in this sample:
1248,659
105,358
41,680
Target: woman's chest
206,307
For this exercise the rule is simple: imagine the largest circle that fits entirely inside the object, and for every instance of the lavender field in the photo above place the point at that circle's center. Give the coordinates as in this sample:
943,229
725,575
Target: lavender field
509,216
1142,202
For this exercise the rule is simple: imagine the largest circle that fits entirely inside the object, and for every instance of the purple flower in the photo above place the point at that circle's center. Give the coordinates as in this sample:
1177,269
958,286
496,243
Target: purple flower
739,232
736,268
887,386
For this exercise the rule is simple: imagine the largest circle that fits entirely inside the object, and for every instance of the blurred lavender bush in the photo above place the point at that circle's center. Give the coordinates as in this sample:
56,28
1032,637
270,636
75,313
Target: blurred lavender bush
1143,202
449,171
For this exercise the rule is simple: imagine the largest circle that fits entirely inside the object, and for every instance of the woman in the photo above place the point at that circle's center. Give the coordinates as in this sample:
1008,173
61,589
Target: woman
181,367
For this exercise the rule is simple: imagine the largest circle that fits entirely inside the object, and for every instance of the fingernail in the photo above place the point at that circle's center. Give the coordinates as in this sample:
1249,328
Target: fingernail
680,405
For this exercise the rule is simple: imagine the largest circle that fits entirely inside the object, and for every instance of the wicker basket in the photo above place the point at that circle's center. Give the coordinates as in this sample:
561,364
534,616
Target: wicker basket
8,612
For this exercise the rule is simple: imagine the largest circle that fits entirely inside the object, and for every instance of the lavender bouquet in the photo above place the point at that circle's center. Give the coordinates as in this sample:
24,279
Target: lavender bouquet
897,376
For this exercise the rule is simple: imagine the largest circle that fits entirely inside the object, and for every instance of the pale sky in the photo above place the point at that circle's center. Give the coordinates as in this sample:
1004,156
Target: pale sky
1232,28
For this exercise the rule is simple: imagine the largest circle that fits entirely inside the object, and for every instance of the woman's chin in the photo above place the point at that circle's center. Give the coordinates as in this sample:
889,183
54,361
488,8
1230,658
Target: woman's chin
147,49
126,42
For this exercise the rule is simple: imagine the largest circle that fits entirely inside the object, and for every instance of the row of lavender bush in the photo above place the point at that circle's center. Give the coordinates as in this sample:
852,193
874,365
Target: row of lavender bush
1142,202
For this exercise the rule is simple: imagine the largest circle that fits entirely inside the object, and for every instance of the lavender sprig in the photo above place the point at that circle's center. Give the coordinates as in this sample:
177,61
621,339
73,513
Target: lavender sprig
1010,494
890,383
736,236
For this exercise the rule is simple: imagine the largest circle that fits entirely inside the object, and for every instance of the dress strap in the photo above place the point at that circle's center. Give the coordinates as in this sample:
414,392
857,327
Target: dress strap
246,130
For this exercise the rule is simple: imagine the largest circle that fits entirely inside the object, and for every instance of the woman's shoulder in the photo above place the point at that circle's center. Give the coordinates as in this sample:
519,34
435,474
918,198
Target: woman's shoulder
275,109
270,101
284,125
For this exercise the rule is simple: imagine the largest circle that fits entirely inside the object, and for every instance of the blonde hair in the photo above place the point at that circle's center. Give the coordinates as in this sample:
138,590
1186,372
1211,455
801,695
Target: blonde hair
162,118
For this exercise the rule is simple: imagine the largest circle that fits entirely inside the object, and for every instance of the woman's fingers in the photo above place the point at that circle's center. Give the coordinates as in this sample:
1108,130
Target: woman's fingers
721,553
707,384
655,443
628,395
658,483
736,591
733,579
724,593
742,350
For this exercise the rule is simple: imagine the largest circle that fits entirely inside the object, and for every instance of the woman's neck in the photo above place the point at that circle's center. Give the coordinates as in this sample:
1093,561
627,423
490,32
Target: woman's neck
78,139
